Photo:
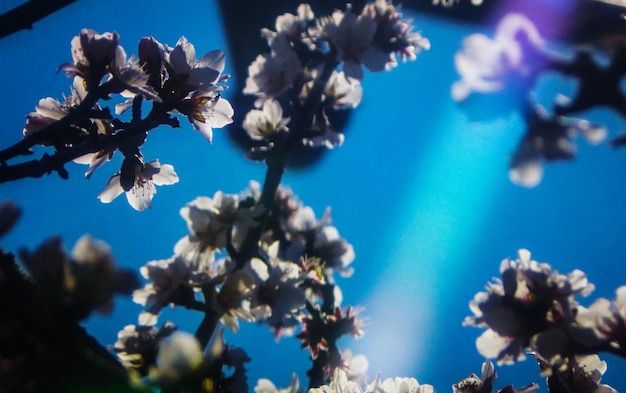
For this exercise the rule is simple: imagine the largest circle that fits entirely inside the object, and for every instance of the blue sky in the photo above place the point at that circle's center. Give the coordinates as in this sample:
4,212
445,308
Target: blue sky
420,191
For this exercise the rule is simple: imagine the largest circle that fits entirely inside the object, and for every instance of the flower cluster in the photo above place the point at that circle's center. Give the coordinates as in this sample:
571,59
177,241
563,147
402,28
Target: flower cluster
172,79
500,74
301,73
533,308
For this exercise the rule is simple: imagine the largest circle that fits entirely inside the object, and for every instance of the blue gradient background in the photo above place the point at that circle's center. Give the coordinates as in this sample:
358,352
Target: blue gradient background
420,191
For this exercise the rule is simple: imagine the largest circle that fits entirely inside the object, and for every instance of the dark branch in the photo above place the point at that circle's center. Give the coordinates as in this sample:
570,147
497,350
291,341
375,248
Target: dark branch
23,16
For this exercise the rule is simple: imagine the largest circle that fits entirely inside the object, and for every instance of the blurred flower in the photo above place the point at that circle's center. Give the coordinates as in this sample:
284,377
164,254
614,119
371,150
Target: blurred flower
79,283
603,322
9,214
144,177
580,374
487,65
351,35
550,139
271,74
532,300
394,35
292,29
166,276
264,385
473,384
136,346
343,92
179,354
261,124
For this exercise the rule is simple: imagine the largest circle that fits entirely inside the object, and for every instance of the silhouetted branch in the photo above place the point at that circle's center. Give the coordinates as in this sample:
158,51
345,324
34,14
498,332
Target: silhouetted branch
23,16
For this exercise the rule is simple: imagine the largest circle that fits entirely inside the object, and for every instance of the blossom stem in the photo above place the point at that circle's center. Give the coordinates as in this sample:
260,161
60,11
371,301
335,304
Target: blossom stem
23,147
276,162
133,134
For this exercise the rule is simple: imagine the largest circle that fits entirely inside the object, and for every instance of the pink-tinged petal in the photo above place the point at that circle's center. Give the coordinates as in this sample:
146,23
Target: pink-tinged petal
166,176
112,190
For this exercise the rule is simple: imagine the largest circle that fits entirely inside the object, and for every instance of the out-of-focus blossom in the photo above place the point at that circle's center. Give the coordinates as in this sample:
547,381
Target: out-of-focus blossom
473,384
262,124
548,139
603,322
394,35
486,64
166,277
78,283
9,214
351,35
355,366
531,301
140,192
264,385
580,373
372,38
292,30
271,74
179,354
450,3
343,92
136,346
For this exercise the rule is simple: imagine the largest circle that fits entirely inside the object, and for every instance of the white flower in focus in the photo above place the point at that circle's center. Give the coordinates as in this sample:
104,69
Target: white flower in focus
485,64
207,110
191,73
264,385
140,195
131,76
178,354
91,53
261,124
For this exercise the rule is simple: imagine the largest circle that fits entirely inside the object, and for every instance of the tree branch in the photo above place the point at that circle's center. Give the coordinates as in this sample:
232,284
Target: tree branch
22,17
